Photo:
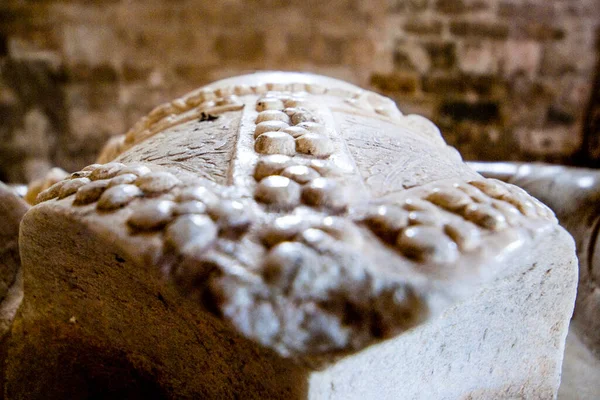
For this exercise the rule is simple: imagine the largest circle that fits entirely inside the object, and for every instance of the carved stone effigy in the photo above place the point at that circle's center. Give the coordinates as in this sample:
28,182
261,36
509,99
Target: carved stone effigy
292,236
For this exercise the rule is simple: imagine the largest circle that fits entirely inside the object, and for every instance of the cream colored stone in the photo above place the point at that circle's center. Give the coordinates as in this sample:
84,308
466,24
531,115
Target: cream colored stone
269,104
293,288
278,191
573,194
275,143
300,173
198,193
157,182
295,131
71,186
269,126
323,192
118,196
190,231
106,171
272,115
190,207
314,145
151,215
270,165
122,179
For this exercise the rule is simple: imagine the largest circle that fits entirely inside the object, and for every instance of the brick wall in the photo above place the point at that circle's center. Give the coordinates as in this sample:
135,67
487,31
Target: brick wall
504,79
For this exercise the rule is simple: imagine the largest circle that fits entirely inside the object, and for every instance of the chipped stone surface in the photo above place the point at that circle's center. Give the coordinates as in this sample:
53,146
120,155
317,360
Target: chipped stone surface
318,255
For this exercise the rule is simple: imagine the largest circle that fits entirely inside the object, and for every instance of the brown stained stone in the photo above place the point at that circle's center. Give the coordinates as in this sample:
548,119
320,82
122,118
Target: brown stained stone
485,216
71,186
91,192
240,46
423,26
387,221
427,243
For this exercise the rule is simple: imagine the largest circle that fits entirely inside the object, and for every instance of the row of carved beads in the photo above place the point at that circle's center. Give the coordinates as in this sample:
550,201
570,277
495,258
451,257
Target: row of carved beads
190,214
208,97
284,126
285,183
426,229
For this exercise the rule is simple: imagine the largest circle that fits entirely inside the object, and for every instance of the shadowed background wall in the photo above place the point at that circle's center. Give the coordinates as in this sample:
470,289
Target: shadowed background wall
504,79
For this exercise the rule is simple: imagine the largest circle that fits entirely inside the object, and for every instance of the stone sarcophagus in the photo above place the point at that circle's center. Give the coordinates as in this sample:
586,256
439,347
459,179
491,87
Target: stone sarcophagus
283,235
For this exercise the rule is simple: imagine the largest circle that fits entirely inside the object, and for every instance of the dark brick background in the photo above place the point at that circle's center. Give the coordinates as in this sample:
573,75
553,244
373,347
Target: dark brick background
504,79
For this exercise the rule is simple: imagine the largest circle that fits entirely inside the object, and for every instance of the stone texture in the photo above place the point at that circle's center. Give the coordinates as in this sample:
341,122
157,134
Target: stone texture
572,193
474,354
12,209
282,287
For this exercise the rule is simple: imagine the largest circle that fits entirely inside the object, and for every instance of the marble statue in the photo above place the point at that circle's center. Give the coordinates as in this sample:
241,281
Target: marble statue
285,235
